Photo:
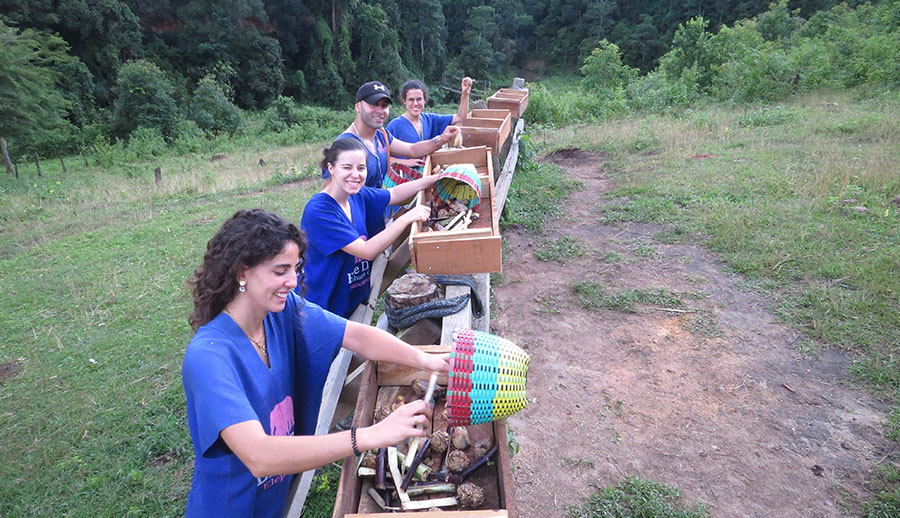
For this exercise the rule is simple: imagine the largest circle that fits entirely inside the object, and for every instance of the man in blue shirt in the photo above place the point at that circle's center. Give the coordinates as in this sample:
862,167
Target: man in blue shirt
373,106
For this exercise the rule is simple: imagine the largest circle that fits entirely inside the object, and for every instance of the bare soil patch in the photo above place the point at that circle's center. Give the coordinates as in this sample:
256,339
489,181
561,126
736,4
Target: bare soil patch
716,401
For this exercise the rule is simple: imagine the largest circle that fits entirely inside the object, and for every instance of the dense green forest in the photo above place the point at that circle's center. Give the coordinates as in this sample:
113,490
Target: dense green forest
76,74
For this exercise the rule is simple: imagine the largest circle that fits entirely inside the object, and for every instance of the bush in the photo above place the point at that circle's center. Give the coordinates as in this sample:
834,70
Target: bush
654,92
146,143
189,138
281,114
561,105
761,74
212,111
144,97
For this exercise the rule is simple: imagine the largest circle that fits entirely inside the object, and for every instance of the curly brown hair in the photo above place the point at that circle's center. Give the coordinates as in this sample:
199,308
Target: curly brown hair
248,238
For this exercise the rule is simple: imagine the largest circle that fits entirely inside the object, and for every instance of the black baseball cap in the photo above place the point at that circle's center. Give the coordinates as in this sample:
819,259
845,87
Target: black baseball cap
372,92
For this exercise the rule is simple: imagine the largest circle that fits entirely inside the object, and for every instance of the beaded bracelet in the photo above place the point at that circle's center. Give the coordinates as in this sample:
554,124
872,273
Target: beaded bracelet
353,441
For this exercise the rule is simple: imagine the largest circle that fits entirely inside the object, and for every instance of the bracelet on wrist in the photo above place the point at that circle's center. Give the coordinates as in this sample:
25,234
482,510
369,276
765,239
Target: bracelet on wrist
436,141
353,441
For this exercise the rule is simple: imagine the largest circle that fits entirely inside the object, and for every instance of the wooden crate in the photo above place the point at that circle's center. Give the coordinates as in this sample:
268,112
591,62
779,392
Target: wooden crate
483,113
490,132
515,101
383,383
473,250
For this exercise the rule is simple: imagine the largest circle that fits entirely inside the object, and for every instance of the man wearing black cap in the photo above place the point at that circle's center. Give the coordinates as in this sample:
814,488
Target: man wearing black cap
373,103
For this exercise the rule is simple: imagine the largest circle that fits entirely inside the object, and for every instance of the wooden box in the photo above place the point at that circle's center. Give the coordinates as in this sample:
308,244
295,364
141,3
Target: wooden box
486,131
483,113
383,383
473,250
515,101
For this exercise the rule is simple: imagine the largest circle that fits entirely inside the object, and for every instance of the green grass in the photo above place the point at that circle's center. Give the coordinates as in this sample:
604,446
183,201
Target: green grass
536,193
592,296
635,497
560,250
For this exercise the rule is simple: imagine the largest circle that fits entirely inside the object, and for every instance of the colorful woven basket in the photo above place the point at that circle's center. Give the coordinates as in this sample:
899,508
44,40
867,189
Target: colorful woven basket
398,174
459,182
487,378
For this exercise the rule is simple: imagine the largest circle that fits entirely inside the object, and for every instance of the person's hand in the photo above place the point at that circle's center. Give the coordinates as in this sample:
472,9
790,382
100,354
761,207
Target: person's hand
449,134
411,162
420,213
399,425
466,85
436,362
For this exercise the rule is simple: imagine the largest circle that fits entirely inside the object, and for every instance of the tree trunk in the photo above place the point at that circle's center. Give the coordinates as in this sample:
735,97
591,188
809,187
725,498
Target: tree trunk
61,161
9,167
84,156
38,164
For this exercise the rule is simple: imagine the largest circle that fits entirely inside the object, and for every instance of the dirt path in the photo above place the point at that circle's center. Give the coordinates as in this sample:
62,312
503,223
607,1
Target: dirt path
725,408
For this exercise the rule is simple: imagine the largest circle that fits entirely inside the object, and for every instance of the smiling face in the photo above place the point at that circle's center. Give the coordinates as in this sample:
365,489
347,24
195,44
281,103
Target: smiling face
415,102
374,115
348,172
269,282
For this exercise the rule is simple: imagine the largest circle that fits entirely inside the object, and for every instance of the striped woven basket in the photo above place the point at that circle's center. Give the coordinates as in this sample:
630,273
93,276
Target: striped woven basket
398,174
487,378
459,182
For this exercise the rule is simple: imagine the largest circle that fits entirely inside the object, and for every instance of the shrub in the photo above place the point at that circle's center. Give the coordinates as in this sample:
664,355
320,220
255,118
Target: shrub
212,111
655,92
144,97
146,143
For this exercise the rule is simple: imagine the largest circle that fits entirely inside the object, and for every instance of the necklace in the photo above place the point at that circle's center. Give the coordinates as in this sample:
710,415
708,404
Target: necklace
264,348
353,127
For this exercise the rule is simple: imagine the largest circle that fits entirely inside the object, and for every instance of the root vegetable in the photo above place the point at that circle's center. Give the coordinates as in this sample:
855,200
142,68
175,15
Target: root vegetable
457,461
470,495
460,437
439,441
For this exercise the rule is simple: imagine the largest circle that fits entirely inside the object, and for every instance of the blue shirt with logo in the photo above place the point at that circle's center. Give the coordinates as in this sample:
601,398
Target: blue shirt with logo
336,280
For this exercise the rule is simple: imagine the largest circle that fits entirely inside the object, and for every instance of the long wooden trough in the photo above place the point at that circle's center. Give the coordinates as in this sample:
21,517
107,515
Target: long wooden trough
386,383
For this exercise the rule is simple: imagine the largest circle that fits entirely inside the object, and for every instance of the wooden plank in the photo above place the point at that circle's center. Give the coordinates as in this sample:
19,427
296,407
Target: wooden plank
483,287
461,319
509,168
485,113
348,492
504,469
451,235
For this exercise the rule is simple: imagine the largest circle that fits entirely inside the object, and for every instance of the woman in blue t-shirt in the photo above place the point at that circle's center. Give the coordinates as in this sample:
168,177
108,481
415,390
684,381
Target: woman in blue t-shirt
413,125
254,372
343,224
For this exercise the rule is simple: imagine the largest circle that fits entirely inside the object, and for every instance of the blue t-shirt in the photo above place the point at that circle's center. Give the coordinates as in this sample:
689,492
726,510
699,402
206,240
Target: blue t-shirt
336,280
226,383
433,124
376,164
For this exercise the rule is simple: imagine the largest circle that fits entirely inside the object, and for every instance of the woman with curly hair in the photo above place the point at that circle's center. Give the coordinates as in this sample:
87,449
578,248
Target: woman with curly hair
254,372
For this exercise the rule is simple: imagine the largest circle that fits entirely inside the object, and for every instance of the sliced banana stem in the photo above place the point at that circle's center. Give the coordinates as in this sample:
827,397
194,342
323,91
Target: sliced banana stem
431,489
422,471
380,501
395,473
425,504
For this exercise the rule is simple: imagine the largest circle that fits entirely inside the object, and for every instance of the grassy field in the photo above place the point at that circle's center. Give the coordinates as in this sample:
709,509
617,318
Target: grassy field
93,264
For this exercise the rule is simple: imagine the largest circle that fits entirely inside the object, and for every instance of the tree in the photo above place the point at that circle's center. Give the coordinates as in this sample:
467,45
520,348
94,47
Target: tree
143,98
29,100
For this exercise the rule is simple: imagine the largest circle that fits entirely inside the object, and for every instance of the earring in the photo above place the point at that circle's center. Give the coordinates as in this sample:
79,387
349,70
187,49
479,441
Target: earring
242,286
